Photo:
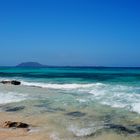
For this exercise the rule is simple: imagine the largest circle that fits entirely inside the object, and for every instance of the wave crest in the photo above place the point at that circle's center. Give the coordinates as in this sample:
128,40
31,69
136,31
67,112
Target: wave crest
61,86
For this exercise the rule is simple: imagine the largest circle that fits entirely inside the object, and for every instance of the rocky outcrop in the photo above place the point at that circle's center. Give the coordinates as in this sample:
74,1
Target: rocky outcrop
9,124
13,82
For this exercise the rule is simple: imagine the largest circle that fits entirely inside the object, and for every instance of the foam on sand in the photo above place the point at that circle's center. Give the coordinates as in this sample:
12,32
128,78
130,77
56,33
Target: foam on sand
11,97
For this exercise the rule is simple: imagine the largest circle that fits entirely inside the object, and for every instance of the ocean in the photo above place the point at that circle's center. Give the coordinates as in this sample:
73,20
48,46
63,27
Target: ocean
81,103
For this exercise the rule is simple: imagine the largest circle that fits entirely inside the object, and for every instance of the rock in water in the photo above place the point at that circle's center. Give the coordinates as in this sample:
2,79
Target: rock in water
5,82
76,114
9,124
121,128
14,109
13,82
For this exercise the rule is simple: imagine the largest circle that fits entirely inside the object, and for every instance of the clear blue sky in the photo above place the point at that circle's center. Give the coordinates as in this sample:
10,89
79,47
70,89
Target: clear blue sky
70,32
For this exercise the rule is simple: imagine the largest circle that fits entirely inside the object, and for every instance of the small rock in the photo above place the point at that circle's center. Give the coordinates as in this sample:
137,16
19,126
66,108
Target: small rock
76,114
14,109
9,124
6,82
121,128
13,82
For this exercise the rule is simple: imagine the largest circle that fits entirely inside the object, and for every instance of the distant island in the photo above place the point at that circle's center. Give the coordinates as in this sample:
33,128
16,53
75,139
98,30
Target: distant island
39,65
30,64
36,64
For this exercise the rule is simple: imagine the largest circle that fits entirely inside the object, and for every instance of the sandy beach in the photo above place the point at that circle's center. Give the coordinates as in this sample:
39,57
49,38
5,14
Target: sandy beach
34,134
20,133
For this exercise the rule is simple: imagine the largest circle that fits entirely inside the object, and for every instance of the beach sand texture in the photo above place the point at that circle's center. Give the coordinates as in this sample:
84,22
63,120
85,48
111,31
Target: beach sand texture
35,134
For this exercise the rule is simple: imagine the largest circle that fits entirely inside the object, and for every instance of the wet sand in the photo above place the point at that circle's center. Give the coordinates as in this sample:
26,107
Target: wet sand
19,133
35,134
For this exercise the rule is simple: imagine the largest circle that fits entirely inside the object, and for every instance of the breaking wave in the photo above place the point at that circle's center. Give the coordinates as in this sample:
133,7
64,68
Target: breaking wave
61,86
116,96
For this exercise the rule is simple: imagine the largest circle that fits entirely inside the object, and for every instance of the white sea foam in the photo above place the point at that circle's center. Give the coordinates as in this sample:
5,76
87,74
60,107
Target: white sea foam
11,97
136,107
61,86
117,96
81,132
54,136
81,100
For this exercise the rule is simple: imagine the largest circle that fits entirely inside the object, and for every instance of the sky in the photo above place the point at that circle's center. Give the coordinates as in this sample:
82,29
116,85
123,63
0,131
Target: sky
70,32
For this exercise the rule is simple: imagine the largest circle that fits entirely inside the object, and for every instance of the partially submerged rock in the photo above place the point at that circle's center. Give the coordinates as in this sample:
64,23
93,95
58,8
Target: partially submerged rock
121,128
76,114
6,82
10,124
14,109
13,82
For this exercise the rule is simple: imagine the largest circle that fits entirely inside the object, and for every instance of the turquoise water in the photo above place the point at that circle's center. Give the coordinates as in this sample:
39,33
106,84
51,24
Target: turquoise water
80,100
74,75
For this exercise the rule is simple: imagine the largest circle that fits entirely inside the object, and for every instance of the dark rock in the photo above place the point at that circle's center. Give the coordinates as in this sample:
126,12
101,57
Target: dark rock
5,82
121,128
13,82
9,124
76,114
14,109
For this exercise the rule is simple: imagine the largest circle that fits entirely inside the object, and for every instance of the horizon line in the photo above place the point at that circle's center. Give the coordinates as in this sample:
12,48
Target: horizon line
69,66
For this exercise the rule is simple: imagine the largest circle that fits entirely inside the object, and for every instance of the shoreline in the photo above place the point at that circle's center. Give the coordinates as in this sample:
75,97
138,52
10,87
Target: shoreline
36,133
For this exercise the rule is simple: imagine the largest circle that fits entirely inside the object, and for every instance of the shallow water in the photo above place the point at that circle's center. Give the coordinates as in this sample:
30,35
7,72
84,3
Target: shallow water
79,103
